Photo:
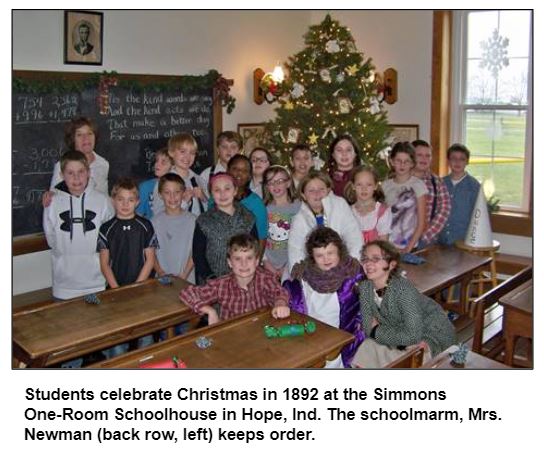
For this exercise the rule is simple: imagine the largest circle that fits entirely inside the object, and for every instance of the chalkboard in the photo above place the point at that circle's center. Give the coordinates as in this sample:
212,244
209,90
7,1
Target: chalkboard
132,125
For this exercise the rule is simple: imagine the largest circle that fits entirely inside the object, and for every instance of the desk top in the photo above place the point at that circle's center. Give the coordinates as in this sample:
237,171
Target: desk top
474,361
520,298
57,326
444,266
241,343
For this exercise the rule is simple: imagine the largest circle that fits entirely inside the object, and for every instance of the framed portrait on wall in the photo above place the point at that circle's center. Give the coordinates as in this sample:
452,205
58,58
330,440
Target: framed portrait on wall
404,133
83,37
252,135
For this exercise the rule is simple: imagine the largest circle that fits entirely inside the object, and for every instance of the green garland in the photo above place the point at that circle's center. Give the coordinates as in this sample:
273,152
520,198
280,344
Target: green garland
181,83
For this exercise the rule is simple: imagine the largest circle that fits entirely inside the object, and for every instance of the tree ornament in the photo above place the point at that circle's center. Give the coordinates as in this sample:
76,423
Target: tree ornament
344,105
293,135
332,46
340,77
289,105
325,75
312,139
375,107
352,70
297,91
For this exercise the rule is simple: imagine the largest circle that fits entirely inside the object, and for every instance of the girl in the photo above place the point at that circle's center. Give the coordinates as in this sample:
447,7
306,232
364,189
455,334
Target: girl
240,168
214,228
406,194
344,155
81,134
260,160
301,163
395,314
281,206
372,215
320,207
323,287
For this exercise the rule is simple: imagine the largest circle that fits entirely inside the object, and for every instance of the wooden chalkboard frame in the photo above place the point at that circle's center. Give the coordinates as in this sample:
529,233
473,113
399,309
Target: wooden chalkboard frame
35,243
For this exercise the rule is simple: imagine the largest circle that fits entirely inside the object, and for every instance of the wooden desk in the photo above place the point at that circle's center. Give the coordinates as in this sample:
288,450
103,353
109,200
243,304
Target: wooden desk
444,267
241,343
517,318
474,361
55,332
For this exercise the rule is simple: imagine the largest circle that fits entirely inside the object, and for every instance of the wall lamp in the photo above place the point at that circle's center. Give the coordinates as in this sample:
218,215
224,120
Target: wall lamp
267,86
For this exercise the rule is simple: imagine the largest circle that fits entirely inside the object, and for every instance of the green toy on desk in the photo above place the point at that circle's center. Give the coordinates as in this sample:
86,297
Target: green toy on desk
289,330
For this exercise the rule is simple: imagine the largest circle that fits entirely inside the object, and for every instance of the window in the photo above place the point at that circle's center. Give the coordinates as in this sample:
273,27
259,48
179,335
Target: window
492,105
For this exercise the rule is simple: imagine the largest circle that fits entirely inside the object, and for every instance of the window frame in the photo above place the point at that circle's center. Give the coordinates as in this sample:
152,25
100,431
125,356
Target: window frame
459,108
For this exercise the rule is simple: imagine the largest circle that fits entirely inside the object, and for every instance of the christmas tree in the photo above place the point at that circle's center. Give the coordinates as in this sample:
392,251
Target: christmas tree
330,90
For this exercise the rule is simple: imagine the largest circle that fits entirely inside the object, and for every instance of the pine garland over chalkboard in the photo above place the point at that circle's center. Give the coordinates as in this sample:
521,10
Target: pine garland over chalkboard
213,79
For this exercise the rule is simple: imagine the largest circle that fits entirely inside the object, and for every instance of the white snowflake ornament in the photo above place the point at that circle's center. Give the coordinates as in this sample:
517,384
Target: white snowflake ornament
374,106
325,75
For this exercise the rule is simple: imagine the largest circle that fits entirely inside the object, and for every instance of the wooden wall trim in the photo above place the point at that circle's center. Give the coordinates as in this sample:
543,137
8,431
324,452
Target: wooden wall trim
441,89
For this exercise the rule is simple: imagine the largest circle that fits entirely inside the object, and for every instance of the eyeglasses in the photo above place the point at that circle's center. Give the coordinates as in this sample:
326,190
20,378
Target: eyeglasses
374,260
259,160
402,162
277,182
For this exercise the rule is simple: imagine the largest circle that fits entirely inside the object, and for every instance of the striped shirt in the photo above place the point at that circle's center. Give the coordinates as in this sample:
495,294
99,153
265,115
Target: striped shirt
263,291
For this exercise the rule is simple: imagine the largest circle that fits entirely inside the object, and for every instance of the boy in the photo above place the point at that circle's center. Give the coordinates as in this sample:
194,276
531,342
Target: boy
248,287
438,199
71,224
182,148
127,242
301,163
150,200
174,228
228,144
463,190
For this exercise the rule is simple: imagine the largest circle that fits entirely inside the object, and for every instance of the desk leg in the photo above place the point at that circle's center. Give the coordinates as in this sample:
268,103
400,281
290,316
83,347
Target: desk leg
463,295
510,343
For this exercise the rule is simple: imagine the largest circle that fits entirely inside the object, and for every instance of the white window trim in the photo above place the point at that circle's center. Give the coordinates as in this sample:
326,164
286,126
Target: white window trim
459,70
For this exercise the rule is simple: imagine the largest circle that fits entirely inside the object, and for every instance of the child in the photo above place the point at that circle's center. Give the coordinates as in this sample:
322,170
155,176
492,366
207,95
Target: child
463,190
228,144
323,287
260,160
126,242
174,228
182,148
301,163
214,228
80,134
406,195
438,198
148,190
240,168
127,246
372,215
344,155
249,287
321,208
395,314
71,224
281,206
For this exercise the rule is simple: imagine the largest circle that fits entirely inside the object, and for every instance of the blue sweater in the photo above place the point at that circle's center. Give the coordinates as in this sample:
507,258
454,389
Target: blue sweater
463,198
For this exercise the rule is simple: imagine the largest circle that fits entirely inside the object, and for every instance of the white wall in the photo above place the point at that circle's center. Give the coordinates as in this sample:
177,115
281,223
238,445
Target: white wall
234,43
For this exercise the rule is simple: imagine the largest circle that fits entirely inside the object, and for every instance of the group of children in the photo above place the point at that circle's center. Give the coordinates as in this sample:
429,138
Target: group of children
244,226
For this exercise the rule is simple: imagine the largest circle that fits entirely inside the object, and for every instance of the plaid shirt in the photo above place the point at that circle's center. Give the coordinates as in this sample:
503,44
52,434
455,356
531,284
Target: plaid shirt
263,291
442,208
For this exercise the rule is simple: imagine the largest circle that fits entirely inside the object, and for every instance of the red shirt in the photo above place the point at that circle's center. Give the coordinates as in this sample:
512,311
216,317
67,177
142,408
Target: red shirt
263,291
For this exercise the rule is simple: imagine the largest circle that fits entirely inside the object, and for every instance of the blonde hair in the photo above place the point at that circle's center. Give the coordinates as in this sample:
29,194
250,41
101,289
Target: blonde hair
125,183
311,176
350,193
178,140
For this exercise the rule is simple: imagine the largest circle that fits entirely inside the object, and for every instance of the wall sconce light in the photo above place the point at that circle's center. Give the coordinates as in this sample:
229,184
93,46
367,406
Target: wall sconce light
387,86
267,86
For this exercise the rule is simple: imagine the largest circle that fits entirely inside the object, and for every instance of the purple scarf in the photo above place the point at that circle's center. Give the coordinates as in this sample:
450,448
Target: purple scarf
328,281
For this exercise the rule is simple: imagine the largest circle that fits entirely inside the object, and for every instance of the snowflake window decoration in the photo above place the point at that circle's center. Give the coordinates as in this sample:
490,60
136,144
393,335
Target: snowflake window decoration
495,51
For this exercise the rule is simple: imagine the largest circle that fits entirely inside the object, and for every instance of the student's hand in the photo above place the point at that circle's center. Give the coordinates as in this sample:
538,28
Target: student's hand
187,195
375,322
213,317
424,345
47,197
281,312
197,192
